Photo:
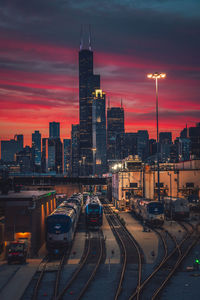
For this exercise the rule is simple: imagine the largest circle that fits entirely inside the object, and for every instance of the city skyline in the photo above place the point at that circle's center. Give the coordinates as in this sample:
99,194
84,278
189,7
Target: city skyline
39,64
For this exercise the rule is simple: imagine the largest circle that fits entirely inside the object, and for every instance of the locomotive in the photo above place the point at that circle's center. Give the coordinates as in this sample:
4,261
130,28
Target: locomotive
61,224
151,212
93,212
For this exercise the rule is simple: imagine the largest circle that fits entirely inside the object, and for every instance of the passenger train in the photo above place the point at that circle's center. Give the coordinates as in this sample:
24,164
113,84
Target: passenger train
176,208
93,212
61,224
151,212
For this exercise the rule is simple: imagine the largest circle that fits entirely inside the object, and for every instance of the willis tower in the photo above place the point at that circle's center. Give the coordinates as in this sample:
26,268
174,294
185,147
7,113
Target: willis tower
88,83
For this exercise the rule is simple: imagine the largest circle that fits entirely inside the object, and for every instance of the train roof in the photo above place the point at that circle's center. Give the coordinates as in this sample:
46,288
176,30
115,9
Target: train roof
93,200
62,211
175,199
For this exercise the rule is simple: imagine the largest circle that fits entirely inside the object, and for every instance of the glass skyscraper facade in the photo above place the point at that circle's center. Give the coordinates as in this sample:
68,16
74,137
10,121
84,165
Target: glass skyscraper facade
88,83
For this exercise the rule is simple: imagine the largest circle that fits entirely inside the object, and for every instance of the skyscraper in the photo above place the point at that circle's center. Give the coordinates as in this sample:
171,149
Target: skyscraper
88,82
115,126
143,144
11,147
75,141
67,156
99,132
36,148
54,130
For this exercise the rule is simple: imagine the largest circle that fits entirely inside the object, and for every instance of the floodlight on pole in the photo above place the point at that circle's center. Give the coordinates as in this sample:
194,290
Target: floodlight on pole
157,76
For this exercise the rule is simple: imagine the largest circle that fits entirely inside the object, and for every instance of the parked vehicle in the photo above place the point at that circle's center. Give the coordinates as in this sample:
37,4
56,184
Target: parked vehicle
17,252
176,208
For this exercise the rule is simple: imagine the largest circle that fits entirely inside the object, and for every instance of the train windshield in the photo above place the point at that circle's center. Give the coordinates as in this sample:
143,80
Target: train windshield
155,208
58,224
16,247
94,208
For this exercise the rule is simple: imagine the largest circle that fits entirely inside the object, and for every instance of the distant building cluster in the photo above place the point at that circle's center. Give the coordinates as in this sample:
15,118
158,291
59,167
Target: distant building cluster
98,141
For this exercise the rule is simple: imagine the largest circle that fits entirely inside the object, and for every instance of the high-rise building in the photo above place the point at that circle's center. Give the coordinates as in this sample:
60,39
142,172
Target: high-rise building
67,156
75,155
126,144
36,149
184,149
143,144
152,147
55,159
194,135
11,147
44,155
54,130
165,140
88,83
115,126
25,160
99,132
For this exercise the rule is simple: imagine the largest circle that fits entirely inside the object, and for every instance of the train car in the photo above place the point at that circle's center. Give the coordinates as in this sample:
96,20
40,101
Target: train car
86,196
77,199
93,212
61,225
176,208
151,212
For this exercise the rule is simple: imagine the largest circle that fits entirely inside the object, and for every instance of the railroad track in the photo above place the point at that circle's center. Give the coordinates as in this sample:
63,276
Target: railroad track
44,268
131,255
85,273
153,285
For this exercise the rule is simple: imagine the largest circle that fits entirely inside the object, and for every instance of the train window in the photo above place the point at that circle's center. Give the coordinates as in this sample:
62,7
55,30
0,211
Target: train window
133,184
189,184
16,247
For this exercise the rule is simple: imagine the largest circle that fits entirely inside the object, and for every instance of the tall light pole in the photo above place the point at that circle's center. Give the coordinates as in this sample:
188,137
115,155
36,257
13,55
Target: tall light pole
157,76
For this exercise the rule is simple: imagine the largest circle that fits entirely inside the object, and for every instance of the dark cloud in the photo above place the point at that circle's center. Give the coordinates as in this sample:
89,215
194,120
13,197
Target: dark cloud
130,38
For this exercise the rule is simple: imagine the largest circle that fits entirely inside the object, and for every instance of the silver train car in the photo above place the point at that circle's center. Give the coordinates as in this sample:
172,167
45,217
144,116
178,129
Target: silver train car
176,208
151,212
61,225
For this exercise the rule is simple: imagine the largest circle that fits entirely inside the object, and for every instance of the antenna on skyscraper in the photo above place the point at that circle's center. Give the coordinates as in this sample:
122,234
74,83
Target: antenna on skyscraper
90,46
81,38
121,103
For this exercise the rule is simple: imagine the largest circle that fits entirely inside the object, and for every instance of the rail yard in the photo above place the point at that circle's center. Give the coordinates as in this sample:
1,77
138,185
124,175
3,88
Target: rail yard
114,255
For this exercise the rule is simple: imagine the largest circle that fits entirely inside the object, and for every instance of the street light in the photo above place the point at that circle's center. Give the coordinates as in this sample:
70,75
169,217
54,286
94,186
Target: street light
157,76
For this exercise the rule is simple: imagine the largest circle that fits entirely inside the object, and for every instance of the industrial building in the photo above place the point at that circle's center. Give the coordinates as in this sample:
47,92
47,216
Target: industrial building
25,214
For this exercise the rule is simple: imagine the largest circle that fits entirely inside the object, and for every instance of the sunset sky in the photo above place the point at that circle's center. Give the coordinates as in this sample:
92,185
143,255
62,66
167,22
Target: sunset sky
39,44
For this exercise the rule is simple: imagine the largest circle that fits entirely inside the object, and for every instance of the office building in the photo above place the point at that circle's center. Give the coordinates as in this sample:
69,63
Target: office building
165,140
126,144
184,149
75,155
143,144
11,147
194,135
55,159
99,132
115,126
67,156
88,83
25,160
54,130
36,149
44,159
